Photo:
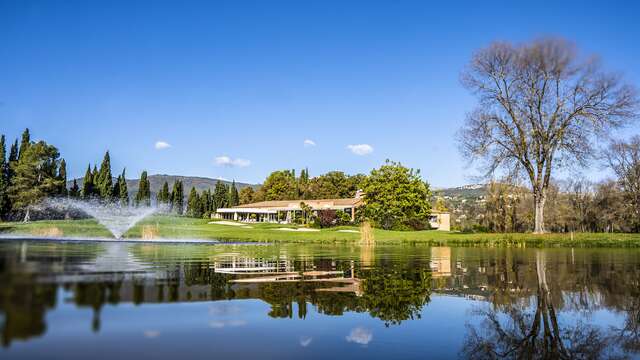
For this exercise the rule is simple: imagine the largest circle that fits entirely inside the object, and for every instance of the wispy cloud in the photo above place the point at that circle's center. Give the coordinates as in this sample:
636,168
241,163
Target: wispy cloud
230,162
161,145
360,149
309,143
360,336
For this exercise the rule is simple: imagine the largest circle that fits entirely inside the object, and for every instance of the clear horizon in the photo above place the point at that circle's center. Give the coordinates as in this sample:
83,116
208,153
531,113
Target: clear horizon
235,91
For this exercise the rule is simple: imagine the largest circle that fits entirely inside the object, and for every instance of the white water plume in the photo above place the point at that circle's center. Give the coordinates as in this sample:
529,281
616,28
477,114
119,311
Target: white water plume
118,219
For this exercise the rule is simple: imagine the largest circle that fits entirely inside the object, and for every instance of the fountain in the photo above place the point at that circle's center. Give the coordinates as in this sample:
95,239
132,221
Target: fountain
116,218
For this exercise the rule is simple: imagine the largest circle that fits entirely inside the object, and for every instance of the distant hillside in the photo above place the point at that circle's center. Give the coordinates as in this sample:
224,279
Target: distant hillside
156,181
472,191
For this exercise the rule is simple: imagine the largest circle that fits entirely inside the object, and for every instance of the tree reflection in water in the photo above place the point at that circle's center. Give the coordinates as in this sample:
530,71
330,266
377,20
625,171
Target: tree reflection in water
515,330
529,293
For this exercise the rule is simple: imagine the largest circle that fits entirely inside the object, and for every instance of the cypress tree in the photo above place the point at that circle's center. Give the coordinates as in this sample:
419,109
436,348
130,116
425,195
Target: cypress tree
220,196
177,198
144,191
13,155
123,191
205,203
87,184
4,180
74,192
234,197
193,204
163,194
104,182
26,141
62,176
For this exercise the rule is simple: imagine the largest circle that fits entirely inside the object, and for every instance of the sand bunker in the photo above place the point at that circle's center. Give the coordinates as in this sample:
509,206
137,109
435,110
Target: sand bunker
301,229
349,231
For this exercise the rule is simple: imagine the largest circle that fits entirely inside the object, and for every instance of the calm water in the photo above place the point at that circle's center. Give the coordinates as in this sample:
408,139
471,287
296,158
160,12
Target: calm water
168,301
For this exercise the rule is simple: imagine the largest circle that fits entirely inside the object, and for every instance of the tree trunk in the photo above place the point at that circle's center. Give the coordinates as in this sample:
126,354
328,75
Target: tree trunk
27,216
539,200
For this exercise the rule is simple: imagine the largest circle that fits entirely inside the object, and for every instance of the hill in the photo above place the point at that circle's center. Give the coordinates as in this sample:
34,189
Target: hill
156,181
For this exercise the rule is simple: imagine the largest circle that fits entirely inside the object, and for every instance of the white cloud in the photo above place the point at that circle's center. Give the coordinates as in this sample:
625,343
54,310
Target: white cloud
360,149
161,145
309,143
305,341
360,336
227,161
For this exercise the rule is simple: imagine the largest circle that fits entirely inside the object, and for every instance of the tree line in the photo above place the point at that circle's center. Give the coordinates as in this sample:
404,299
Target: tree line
31,171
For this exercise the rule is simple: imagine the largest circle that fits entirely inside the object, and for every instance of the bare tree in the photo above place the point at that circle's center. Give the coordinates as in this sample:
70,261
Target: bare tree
540,107
624,158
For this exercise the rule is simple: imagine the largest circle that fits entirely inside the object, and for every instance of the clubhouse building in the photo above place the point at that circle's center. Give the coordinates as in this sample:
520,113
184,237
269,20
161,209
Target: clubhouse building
285,211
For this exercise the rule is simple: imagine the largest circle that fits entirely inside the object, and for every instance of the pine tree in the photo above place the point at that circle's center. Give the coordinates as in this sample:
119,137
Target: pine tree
143,197
24,145
4,180
87,184
74,192
13,155
62,176
35,176
123,191
104,182
177,198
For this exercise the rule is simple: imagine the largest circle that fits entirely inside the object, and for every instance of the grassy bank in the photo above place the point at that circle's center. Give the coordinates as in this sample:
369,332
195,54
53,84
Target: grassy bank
178,227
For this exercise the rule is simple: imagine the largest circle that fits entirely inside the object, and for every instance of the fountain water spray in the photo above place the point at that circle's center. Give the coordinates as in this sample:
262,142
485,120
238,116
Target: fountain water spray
113,216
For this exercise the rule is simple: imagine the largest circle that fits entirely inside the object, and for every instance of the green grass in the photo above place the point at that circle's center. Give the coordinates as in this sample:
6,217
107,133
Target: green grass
180,227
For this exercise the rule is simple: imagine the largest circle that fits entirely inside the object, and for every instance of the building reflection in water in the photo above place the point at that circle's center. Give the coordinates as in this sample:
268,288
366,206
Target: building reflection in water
523,293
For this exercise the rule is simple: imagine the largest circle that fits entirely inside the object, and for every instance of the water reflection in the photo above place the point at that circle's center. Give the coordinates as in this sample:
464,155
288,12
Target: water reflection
559,303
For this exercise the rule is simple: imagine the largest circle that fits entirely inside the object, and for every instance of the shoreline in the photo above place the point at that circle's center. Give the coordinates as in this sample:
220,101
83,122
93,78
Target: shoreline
168,229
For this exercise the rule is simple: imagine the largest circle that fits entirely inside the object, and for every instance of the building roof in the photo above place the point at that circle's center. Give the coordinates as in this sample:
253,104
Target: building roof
315,204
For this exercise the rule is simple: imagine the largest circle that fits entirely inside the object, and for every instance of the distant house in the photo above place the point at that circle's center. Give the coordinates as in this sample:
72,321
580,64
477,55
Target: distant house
440,220
286,211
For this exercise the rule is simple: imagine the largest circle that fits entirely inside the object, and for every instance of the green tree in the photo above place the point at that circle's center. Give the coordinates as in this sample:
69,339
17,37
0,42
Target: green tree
334,184
62,176
4,180
205,203
74,192
193,204
234,197
396,197
24,144
143,197
247,195
279,185
123,190
104,180
177,198
87,184
220,195
163,195
35,176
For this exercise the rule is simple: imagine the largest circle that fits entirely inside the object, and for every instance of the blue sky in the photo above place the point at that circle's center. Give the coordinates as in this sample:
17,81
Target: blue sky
235,88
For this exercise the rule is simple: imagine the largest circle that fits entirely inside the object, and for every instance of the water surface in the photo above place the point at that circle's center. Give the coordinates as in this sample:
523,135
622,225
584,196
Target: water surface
76,300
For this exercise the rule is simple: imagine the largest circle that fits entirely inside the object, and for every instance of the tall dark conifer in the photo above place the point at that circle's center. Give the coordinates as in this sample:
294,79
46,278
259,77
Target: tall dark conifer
24,144
234,197
74,192
177,198
163,195
87,184
143,197
123,191
104,182
62,176
4,179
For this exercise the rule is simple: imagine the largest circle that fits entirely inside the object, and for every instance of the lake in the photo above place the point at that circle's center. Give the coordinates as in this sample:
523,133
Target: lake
79,300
